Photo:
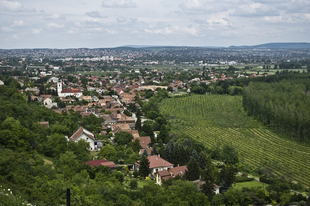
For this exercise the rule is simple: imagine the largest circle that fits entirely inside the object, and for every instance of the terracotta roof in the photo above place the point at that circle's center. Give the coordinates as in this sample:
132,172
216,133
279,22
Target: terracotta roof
144,141
120,127
103,162
71,91
178,170
80,131
199,183
164,173
135,135
156,161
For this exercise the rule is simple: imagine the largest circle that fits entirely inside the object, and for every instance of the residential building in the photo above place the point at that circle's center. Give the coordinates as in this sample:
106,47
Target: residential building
83,134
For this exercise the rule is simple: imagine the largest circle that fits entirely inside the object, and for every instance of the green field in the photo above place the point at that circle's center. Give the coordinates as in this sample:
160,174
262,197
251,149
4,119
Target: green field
215,119
250,184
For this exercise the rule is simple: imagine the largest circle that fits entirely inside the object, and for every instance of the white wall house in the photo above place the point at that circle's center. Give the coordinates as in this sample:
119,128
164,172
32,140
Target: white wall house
47,101
83,134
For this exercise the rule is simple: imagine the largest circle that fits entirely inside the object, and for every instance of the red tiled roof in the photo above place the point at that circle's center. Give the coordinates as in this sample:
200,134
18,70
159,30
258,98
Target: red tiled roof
166,177
144,141
156,161
164,173
178,170
80,131
71,91
101,162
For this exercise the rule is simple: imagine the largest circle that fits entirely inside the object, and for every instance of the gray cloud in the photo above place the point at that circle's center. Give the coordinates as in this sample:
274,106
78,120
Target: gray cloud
202,6
94,14
55,16
165,22
118,4
255,10
15,6
121,19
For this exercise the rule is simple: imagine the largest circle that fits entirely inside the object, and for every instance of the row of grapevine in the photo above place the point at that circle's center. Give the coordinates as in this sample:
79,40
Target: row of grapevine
256,150
214,120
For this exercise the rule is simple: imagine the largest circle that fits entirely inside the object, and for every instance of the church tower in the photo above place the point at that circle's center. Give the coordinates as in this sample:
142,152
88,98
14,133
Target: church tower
59,87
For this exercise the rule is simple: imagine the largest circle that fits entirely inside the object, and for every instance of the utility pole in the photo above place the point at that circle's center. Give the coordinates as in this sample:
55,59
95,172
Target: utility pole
68,196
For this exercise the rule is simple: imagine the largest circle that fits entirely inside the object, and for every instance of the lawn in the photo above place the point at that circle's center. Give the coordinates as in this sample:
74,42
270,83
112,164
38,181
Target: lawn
250,184
94,153
141,183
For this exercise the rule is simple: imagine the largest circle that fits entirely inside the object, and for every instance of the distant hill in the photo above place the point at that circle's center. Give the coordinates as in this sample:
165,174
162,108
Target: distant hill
140,46
296,45
284,45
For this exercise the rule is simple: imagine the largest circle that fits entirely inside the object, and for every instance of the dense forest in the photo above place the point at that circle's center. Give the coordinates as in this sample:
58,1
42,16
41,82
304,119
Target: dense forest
284,105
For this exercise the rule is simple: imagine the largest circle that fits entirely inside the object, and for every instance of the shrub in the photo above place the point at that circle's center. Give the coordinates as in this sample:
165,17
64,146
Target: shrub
265,180
133,184
135,174
243,179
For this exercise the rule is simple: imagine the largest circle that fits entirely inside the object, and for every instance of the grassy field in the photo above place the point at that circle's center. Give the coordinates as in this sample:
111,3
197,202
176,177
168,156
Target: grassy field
214,119
141,183
250,184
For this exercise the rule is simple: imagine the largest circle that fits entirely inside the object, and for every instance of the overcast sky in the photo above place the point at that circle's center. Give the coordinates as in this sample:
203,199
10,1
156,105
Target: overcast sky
112,23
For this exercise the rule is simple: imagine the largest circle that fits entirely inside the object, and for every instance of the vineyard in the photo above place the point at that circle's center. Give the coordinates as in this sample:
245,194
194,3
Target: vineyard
214,119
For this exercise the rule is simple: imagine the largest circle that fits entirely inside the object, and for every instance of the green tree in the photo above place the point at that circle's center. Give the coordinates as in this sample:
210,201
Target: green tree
209,176
55,145
68,164
138,124
135,145
227,175
164,134
193,170
144,166
133,184
152,115
169,150
202,160
146,130
108,152
229,155
123,138
154,150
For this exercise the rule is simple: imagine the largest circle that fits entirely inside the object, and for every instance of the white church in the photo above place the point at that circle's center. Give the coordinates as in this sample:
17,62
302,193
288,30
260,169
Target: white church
68,92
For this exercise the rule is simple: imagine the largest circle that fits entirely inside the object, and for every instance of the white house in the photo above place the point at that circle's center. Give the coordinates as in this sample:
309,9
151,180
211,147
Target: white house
53,79
83,134
170,173
1,82
47,101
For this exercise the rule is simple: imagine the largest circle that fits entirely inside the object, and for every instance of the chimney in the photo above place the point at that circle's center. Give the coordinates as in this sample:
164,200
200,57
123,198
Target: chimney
158,155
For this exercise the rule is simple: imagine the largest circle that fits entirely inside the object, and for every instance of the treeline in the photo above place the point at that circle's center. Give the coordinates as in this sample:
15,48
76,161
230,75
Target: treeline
235,86
284,105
